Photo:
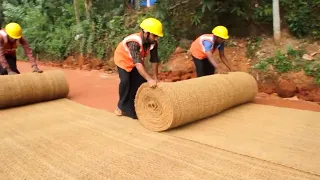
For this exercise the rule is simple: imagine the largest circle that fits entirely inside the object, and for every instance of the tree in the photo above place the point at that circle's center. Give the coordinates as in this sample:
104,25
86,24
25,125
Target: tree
76,10
276,22
137,4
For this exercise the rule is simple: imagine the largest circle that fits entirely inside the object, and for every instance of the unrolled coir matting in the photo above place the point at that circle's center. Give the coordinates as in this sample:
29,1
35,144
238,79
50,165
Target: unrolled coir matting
61,139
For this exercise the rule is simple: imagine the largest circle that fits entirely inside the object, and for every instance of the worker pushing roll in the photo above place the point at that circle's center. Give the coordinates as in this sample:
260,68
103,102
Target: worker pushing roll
10,36
129,57
202,50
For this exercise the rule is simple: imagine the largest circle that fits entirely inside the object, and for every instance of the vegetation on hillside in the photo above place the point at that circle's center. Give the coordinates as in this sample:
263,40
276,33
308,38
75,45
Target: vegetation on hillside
56,28
290,61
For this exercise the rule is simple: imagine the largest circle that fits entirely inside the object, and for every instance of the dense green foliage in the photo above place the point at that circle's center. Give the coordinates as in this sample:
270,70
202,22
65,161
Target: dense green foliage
303,17
51,26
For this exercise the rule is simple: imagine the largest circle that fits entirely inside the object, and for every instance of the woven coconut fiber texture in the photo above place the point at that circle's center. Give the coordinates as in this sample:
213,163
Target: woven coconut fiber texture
281,135
174,104
66,140
23,89
61,139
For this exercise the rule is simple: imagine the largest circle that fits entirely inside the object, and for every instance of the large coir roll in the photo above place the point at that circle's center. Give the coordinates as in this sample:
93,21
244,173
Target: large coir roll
28,88
174,104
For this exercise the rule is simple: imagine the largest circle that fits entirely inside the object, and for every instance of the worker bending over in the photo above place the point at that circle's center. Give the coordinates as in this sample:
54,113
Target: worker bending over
10,36
202,50
129,57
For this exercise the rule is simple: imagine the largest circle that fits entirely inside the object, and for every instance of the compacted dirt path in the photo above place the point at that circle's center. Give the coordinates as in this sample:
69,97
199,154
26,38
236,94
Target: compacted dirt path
100,90
91,88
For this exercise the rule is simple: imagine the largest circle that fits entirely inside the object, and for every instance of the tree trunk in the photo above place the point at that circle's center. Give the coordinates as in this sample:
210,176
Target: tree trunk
90,37
137,4
76,10
276,22
88,5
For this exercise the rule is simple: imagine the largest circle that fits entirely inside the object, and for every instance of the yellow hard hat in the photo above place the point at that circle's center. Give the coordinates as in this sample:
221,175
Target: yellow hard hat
221,31
153,26
14,30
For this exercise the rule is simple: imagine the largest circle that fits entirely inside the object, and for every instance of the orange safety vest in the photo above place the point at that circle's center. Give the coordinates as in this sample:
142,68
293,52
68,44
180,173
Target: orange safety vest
9,48
197,49
122,56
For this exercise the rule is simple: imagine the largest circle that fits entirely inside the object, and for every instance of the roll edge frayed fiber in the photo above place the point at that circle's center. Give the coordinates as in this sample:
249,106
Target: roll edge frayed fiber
29,88
170,105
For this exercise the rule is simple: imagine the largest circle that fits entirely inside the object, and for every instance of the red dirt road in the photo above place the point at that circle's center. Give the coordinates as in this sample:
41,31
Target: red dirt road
91,88
100,90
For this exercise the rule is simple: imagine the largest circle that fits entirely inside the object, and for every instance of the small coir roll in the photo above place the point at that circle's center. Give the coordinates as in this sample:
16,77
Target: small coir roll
28,88
174,104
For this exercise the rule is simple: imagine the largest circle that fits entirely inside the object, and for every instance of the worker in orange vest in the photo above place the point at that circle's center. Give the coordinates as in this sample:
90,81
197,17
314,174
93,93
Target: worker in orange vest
10,36
202,50
129,57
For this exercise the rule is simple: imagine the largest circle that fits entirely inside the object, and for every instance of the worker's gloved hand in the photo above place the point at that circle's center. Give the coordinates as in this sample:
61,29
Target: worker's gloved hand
36,69
152,83
12,73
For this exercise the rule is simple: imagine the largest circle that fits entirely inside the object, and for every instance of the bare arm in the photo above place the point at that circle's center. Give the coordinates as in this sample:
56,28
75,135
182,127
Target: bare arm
3,60
211,59
142,71
154,59
224,59
28,51
155,70
134,49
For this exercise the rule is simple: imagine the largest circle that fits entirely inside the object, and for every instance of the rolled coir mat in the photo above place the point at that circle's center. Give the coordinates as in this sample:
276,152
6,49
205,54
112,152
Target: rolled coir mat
29,88
170,105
